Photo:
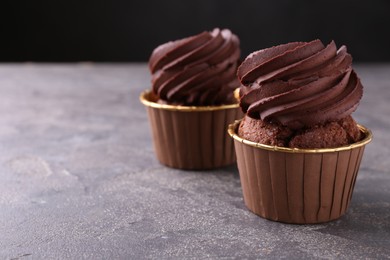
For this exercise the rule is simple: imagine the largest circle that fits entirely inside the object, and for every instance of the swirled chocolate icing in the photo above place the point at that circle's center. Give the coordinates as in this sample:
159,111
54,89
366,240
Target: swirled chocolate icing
299,84
198,70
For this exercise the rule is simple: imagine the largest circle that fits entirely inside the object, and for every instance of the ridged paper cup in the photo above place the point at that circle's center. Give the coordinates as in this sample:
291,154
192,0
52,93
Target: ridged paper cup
301,186
189,137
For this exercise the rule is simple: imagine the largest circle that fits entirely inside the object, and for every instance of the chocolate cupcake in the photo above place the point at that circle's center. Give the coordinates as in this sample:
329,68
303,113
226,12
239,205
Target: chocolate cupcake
192,102
298,148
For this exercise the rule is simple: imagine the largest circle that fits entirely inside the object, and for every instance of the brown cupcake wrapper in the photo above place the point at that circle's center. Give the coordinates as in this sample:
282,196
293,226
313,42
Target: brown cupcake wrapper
188,137
298,186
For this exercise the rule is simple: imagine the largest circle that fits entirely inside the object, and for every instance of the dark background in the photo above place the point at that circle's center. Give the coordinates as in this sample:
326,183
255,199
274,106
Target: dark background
119,30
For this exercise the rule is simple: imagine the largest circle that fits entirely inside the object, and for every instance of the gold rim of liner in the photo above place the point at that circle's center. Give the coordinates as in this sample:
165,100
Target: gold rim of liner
145,95
368,137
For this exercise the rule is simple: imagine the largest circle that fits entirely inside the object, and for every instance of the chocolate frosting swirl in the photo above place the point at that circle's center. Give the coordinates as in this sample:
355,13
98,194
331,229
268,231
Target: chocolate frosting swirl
198,70
299,84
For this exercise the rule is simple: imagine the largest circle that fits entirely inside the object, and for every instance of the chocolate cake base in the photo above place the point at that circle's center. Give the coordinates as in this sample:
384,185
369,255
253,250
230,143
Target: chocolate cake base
328,135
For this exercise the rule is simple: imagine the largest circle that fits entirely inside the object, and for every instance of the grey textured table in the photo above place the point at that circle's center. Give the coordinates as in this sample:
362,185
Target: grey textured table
78,178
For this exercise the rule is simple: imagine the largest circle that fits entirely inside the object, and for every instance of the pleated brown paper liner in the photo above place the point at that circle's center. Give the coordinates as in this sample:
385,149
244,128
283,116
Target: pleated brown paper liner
195,138
300,186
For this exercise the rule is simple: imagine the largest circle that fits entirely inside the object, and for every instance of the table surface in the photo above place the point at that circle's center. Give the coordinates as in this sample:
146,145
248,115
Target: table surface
79,178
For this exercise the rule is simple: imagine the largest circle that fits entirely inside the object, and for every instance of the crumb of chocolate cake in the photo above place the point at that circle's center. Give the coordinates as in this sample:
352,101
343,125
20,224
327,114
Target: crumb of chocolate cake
328,135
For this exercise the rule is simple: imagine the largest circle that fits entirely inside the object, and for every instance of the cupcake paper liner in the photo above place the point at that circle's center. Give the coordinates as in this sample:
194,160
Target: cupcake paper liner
298,186
188,137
